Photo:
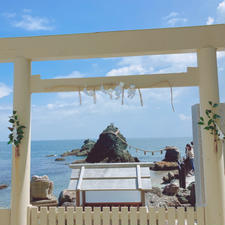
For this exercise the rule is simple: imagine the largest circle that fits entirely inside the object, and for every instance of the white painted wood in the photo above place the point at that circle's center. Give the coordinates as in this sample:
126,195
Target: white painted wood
111,44
52,215
161,216
61,216
201,215
97,216
113,196
181,216
106,216
143,216
79,215
43,216
20,180
87,216
111,184
124,216
80,178
198,161
133,216
139,177
171,214
152,216
115,216
190,216
70,216
111,165
214,178
34,216
112,173
189,78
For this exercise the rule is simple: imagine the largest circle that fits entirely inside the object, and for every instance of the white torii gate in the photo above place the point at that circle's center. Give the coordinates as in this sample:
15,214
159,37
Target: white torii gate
205,40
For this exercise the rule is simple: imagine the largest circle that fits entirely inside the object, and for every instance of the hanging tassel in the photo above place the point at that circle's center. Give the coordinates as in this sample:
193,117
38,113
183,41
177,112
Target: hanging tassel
161,152
171,96
136,150
145,152
152,153
80,97
94,96
140,95
122,96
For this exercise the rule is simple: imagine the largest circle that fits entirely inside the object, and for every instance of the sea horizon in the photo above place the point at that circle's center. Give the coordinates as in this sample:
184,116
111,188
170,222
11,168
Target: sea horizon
59,172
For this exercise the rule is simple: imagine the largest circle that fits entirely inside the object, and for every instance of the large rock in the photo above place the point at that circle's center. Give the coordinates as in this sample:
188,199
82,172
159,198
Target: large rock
172,154
110,148
163,165
41,188
67,198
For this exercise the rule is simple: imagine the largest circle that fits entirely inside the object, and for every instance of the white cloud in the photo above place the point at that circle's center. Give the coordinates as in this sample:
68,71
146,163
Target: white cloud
31,23
171,15
174,18
184,117
210,20
27,10
9,15
73,74
127,70
4,90
221,12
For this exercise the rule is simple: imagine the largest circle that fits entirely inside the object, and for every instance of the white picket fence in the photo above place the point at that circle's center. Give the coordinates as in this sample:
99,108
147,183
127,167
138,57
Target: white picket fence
116,216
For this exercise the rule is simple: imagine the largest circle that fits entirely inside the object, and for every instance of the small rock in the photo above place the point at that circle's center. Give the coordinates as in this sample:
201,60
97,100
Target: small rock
171,189
157,191
192,199
2,186
182,200
168,178
60,159
50,155
67,196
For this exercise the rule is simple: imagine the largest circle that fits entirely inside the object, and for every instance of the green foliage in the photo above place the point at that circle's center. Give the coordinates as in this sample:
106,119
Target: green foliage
210,124
19,130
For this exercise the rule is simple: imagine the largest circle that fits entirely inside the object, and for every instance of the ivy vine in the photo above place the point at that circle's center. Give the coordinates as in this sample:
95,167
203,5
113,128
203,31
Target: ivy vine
211,123
17,130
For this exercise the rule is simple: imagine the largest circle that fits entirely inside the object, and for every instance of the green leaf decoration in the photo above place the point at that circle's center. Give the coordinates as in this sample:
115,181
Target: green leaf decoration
19,129
201,118
200,123
11,120
215,105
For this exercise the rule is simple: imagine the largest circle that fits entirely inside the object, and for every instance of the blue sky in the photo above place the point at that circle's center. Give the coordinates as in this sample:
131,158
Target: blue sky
59,115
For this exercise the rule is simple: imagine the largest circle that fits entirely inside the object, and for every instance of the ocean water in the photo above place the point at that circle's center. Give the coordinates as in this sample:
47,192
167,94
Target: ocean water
59,172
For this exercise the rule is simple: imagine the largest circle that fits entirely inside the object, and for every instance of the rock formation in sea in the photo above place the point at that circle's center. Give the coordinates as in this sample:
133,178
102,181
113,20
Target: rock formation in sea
2,186
170,161
110,147
83,151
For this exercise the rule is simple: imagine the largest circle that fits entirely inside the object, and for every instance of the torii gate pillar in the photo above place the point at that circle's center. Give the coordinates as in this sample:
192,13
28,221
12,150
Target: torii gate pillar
20,194
212,160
